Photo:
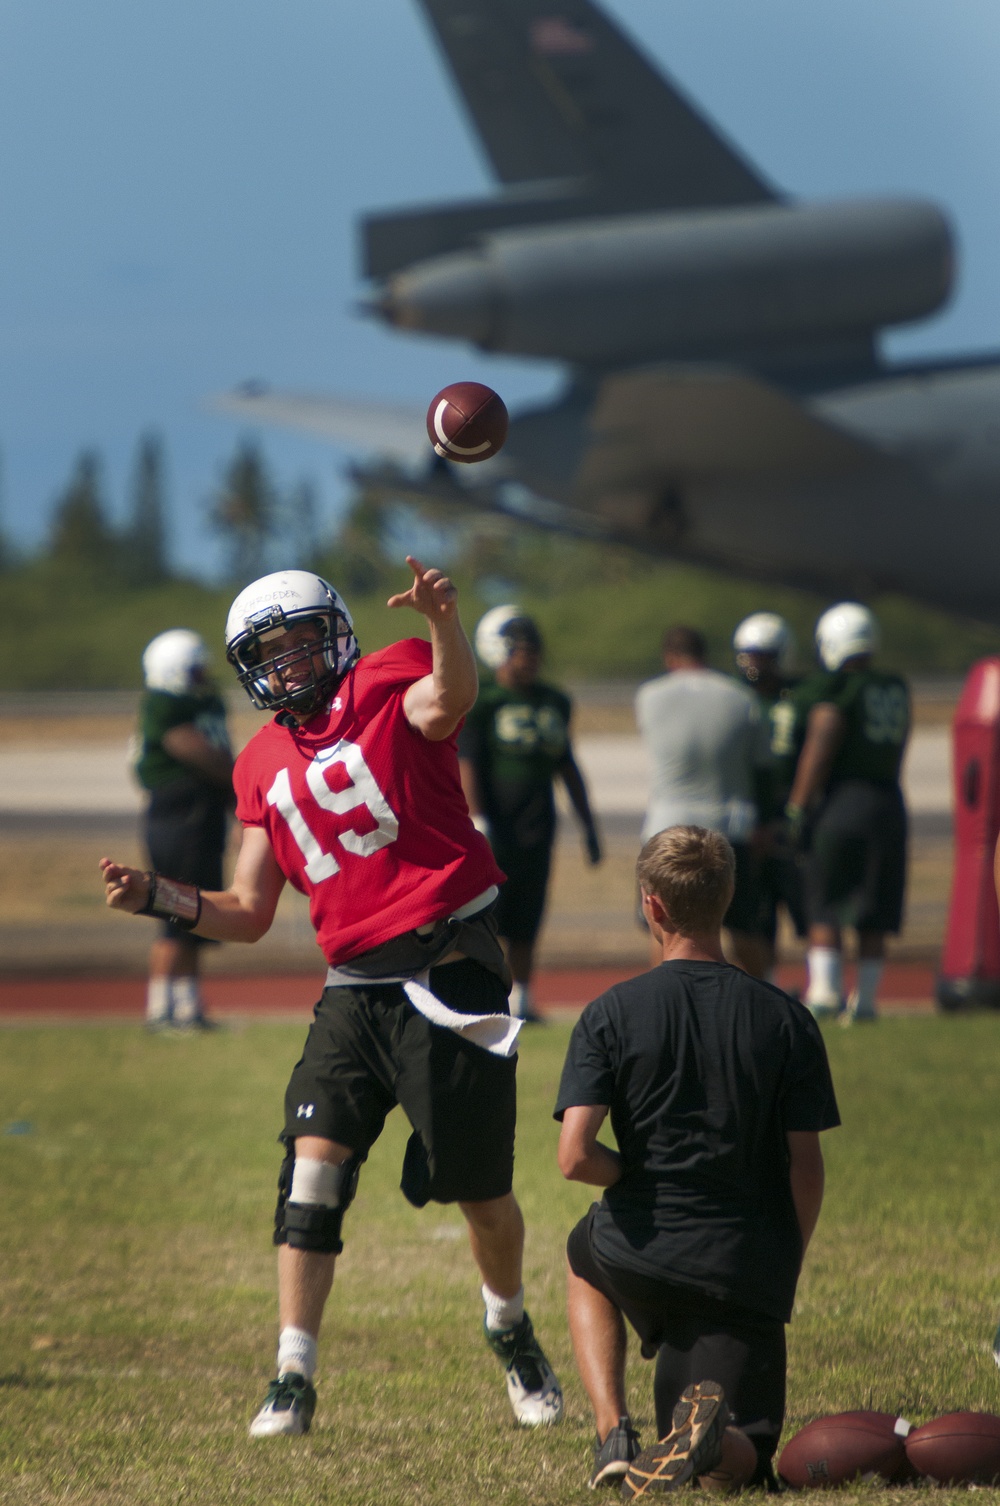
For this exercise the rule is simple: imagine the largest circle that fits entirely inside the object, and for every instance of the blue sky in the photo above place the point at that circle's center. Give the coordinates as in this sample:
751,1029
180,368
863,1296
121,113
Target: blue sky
180,184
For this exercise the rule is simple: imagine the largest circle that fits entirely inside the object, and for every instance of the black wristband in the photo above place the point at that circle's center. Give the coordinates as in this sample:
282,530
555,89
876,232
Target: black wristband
168,899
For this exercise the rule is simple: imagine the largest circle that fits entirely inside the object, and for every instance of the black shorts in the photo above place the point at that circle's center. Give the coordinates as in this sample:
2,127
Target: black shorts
745,910
695,1337
369,1049
856,867
186,838
778,880
521,904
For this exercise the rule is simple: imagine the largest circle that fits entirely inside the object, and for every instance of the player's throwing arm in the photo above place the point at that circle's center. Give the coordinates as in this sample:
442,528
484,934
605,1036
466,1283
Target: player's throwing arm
243,912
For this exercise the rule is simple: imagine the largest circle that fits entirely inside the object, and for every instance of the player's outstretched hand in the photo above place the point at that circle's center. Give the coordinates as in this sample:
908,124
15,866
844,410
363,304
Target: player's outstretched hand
124,888
432,594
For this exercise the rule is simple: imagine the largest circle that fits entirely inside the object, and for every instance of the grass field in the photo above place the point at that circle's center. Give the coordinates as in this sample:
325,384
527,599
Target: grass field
137,1276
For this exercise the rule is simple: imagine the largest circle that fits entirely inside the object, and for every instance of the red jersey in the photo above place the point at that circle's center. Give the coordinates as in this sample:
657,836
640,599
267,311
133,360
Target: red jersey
364,814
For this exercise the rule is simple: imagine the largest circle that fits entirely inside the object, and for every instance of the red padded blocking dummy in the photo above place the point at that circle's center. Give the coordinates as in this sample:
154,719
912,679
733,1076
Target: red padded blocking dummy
970,962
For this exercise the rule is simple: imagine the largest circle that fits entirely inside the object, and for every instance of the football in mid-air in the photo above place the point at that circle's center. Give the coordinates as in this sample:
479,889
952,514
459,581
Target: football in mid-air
962,1448
845,1447
467,422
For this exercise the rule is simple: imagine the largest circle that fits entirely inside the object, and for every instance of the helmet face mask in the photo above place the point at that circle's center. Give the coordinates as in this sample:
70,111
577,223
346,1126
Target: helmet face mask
756,664
299,675
763,642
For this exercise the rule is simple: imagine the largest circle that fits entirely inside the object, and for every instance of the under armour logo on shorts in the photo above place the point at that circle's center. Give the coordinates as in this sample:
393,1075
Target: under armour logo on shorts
305,1111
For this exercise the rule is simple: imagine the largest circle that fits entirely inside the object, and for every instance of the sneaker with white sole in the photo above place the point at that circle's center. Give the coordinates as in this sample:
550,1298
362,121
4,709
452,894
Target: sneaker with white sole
288,1408
534,1392
693,1447
613,1457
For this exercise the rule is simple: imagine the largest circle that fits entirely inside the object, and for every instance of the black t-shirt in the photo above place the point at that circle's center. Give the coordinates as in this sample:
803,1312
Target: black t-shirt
704,1070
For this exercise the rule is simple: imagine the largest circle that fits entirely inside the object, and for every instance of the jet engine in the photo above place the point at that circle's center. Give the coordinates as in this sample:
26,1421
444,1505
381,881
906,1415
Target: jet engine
684,286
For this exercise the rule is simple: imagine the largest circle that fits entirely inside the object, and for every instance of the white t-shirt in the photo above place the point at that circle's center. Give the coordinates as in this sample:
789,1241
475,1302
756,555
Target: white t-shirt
706,736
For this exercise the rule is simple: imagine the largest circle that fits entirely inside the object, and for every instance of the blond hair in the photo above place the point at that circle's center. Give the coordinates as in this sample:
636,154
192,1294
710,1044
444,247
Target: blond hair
692,872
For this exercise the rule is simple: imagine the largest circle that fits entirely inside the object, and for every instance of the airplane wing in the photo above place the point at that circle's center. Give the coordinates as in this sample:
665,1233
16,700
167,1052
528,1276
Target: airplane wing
682,425
389,429
556,91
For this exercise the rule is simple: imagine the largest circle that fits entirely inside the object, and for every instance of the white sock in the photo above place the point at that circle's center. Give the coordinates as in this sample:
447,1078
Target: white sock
824,975
503,1312
869,977
186,997
296,1351
520,1000
157,1000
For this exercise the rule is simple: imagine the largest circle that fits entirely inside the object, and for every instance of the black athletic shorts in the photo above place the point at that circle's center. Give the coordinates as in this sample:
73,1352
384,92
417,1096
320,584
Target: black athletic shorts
522,898
777,881
369,1049
186,838
744,913
856,867
695,1337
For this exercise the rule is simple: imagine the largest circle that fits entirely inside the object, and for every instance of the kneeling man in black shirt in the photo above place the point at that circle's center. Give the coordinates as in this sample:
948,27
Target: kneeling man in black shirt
717,1085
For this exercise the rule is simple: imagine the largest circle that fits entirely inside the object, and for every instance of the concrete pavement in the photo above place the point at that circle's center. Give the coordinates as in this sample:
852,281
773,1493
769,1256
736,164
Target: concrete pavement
95,780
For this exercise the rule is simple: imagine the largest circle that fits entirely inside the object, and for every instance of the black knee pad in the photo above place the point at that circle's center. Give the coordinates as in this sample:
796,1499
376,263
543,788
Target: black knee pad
309,1228
305,1226
284,1188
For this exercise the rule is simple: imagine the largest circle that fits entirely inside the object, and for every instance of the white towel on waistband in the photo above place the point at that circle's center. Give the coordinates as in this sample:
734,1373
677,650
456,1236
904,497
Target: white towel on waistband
496,1033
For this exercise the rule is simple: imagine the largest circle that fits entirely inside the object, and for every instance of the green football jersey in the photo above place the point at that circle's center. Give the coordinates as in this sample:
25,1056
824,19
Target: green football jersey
159,710
517,740
875,705
787,732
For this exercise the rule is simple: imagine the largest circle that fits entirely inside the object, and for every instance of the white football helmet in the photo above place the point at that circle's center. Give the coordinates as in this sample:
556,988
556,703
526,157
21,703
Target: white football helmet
175,661
846,630
498,632
765,633
276,603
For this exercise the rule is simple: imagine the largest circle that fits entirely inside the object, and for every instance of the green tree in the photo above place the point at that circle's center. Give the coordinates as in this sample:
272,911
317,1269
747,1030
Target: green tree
80,534
301,530
144,552
245,511
357,562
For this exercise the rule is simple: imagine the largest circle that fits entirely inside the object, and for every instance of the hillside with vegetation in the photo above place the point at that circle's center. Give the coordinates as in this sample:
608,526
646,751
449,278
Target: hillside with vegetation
79,612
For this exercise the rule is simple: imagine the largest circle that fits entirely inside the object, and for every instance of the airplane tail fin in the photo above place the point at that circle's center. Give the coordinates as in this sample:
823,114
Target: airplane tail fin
556,91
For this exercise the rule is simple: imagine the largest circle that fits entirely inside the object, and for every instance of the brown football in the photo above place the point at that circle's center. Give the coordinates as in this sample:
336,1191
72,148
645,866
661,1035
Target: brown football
467,422
962,1448
847,1446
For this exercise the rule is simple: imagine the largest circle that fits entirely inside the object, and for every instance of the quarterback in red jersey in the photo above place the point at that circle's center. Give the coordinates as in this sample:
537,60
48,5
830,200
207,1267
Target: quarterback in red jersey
389,844
352,794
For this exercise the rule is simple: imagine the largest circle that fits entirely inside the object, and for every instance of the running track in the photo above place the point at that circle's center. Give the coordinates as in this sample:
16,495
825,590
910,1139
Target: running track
907,988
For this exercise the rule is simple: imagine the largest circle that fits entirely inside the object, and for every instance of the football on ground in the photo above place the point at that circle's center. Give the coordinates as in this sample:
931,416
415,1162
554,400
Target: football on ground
740,1462
847,1446
467,422
962,1448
